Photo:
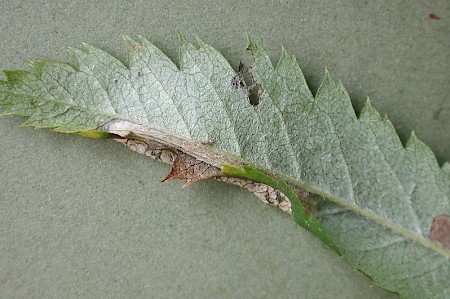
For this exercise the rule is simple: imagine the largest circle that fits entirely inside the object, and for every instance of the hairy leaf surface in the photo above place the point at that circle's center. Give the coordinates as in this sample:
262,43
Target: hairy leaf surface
377,201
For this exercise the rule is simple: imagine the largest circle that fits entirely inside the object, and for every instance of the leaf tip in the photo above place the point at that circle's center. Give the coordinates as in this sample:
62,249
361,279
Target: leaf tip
200,42
368,109
327,77
326,83
252,45
127,40
181,39
37,66
285,54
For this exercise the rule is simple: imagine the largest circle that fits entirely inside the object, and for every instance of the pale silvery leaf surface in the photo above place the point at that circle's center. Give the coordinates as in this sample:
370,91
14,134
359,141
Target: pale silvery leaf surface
379,198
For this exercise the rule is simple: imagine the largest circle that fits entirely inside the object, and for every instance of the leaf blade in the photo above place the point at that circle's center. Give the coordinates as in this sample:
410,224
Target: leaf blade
382,195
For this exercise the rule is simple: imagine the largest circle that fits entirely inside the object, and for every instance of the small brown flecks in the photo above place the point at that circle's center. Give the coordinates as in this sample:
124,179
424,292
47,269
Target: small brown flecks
155,151
188,168
433,16
440,230
138,47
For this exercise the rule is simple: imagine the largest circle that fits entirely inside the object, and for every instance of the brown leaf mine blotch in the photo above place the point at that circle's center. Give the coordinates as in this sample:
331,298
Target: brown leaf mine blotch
266,193
188,168
440,230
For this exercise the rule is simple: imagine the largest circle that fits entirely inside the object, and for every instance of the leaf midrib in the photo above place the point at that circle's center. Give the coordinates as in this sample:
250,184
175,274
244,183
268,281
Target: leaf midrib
425,242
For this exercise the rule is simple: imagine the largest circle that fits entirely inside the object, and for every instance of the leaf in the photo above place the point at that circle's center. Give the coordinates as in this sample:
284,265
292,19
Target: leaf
382,206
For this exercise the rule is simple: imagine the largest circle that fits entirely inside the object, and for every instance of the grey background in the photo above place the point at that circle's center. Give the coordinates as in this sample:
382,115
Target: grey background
88,218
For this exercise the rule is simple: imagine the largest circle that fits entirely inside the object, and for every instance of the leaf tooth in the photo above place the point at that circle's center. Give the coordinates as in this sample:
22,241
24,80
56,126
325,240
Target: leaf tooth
132,46
15,77
327,80
417,146
201,43
103,55
261,58
182,39
368,111
412,141
127,40
333,99
90,49
140,39
38,66
285,56
251,43
446,169
77,55
74,58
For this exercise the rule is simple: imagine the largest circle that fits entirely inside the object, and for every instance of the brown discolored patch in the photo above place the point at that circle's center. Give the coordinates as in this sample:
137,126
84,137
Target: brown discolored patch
440,230
309,202
266,193
433,16
186,167
138,47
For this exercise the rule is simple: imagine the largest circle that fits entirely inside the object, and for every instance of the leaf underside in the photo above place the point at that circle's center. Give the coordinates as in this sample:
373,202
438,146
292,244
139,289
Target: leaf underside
379,198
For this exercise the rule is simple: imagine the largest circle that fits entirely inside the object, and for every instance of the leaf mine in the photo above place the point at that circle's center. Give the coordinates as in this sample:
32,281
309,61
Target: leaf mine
188,168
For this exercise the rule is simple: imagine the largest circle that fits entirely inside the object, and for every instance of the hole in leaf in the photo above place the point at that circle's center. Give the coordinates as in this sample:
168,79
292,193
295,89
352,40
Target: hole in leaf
253,97
255,94
245,82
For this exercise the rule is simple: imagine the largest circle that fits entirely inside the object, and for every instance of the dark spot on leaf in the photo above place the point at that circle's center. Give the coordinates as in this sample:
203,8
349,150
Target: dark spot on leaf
440,230
433,16
140,73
